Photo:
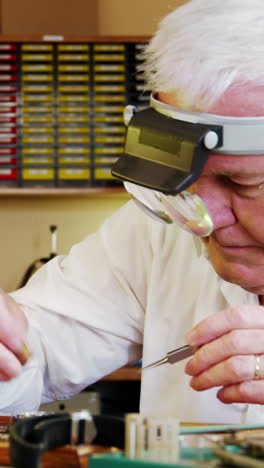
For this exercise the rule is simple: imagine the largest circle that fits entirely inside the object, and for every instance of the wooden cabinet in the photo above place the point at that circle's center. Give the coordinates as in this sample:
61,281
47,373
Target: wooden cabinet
125,373
61,109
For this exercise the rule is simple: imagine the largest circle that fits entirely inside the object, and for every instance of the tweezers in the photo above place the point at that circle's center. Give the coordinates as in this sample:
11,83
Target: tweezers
173,356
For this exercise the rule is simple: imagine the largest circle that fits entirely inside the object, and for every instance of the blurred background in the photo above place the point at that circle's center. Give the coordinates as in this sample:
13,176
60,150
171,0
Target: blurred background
25,220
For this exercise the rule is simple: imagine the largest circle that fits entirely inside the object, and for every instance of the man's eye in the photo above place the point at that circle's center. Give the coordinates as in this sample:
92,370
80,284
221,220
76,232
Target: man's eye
247,186
230,182
239,185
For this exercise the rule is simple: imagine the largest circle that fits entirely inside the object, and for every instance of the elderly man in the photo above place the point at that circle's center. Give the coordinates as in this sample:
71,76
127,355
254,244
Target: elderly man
138,286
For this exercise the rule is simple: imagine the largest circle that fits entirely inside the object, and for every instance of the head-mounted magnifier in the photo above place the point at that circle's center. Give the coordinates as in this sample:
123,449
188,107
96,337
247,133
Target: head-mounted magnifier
165,152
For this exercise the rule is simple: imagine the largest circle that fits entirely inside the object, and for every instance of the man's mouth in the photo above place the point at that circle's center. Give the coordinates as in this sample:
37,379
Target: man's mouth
230,249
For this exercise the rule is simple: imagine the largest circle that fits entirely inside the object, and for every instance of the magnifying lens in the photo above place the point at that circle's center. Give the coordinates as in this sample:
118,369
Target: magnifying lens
185,209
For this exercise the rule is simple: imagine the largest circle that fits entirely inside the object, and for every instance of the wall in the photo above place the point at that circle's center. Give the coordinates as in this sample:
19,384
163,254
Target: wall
49,17
132,17
25,234
83,17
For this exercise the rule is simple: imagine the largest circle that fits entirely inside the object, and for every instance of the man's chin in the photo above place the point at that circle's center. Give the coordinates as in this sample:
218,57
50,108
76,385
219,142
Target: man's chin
249,286
258,290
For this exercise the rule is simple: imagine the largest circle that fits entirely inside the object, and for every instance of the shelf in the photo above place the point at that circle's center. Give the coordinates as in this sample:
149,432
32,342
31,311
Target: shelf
125,373
61,191
70,38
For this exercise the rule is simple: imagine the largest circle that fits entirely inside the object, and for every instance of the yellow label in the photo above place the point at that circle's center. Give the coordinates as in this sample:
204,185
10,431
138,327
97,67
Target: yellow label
103,173
73,89
109,150
109,57
79,78
26,130
37,109
73,109
37,151
73,57
109,47
38,140
74,150
74,140
37,89
37,57
109,68
109,118
104,78
74,160
73,68
110,139
37,161
74,47
74,98
74,174
37,47
36,77
109,129
74,129
109,98
108,109
73,119
38,119
37,174
37,68
38,98
109,88
105,161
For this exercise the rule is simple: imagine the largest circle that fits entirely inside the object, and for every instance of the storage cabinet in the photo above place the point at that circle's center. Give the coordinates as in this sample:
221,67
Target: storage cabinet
61,109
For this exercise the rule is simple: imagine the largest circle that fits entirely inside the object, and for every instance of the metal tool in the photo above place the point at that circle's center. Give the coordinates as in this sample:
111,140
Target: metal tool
174,356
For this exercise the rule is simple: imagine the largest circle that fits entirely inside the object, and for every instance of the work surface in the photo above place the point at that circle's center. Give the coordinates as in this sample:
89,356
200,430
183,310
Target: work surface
192,453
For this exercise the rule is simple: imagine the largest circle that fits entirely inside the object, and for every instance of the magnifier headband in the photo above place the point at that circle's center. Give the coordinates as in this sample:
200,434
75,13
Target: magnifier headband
241,135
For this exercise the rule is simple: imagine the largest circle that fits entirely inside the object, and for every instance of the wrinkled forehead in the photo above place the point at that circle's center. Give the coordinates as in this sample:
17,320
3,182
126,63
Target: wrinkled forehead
237,101
240,101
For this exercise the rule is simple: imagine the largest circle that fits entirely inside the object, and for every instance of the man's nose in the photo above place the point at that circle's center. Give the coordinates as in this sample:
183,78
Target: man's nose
218,200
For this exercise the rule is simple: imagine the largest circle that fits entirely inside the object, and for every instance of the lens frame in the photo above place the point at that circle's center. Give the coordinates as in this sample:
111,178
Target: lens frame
185,209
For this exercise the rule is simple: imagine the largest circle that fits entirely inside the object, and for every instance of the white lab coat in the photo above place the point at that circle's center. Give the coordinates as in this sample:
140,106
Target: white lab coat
131,290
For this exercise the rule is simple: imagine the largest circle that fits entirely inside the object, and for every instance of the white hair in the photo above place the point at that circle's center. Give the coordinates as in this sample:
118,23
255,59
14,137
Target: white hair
205,46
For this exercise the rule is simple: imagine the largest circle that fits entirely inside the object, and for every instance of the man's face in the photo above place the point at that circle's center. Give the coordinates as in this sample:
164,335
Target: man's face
232,188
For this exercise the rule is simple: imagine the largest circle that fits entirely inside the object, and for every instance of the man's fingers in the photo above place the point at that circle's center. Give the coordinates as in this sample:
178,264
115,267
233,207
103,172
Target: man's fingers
233,370
13,327
236,342
228,343
244,392
220,323
10,366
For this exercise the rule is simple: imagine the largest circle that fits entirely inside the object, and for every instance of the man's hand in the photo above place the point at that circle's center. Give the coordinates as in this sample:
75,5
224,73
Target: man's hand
13,331
228,344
